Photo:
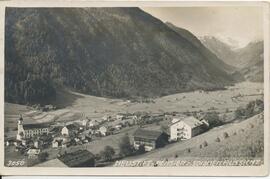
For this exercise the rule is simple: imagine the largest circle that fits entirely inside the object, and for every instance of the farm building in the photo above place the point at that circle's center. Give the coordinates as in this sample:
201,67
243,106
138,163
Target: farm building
79,158
103,130
93,123
150,139
186,128
30,130
32,153
57,142
121,116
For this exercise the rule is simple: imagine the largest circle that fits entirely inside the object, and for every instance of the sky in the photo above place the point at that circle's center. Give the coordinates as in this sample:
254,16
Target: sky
236,26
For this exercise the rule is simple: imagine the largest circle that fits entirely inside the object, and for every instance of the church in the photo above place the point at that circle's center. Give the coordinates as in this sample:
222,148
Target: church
26,131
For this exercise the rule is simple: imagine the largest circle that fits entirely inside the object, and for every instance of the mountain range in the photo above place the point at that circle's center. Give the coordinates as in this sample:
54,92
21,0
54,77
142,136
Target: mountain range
248,60
110,52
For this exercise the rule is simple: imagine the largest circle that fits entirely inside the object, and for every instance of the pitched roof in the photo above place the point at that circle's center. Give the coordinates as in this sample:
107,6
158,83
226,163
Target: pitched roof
77,158
190,121
73,126
35,126
148,134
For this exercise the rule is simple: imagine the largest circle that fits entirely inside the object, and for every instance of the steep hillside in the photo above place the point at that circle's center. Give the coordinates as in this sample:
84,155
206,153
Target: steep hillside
244,140
221,49
196,42
248,60
115,52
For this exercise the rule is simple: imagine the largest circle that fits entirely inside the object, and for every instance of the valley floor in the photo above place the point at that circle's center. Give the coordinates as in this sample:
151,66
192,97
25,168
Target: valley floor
242,136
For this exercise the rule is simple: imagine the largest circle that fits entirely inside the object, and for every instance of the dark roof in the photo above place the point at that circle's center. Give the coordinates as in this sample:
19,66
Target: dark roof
77,158
147,134
73,126
35,126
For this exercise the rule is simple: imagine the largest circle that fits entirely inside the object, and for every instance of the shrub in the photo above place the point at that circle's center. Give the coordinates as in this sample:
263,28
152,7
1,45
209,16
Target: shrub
43,156
200,146
141,149
217,139
251,125
213,119
125,147
205,144
234,133
97,157
175,156
188,150
108,153
225,135
239,113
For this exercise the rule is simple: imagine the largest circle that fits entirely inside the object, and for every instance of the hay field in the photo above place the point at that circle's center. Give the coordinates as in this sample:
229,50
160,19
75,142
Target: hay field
243,141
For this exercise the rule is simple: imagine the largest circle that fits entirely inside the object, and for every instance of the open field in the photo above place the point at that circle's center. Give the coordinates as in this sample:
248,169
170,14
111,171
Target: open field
96,107
233,97
244,141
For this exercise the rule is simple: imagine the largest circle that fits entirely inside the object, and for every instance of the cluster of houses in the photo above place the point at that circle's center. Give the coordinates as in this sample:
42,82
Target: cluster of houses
30,136
82,131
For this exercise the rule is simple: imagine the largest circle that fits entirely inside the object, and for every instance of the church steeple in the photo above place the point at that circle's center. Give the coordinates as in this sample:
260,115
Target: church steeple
20,120
20,134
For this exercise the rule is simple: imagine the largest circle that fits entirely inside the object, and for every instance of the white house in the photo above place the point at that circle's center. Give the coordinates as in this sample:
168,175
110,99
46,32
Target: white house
85,122
103,130
119,116
186,128
93,123
118,127
55,144
65,131
33,153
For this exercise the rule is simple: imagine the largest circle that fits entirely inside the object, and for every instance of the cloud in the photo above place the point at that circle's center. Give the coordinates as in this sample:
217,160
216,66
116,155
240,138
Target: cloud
241,23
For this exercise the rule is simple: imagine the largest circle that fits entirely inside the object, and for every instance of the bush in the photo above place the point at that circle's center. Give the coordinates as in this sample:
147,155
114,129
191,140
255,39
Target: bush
213,119
175,156
217,139
200,146
239,113
141,149
97,157
251,125
188,150
43,156
125,147
225,135
205,144
108,153
234,133
251,109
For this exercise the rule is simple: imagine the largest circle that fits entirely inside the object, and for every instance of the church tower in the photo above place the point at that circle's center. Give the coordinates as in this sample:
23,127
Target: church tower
20,134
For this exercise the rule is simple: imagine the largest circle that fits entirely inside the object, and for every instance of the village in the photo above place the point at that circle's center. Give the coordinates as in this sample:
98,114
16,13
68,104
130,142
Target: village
98,142
32,139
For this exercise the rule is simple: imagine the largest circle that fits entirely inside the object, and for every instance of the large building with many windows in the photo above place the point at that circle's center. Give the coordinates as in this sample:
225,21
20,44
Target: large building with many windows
186,128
